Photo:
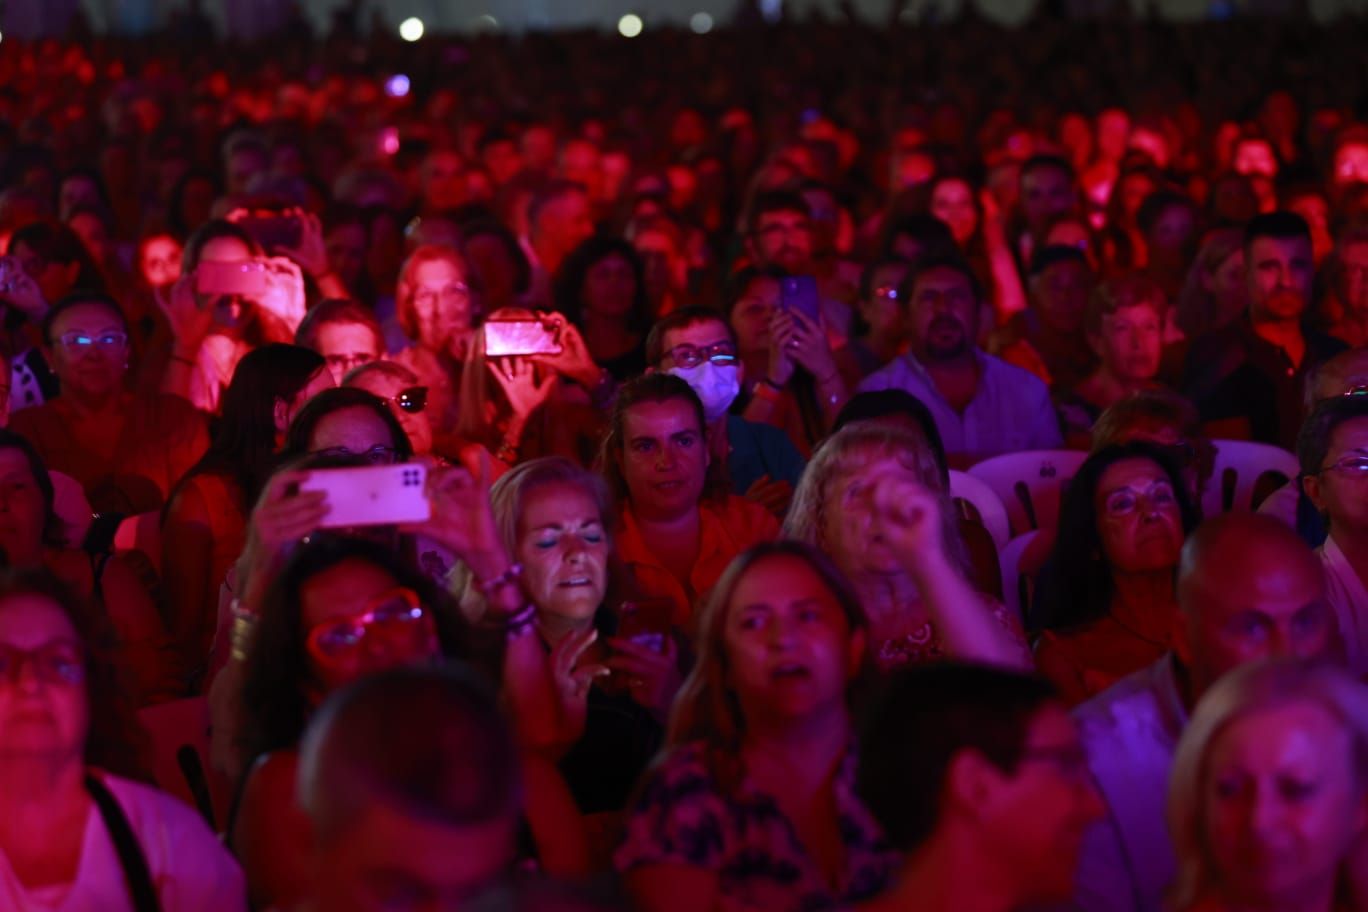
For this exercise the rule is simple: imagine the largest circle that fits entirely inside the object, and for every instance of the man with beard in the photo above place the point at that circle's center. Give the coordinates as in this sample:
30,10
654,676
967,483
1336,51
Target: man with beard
1247,379
982,405
780,236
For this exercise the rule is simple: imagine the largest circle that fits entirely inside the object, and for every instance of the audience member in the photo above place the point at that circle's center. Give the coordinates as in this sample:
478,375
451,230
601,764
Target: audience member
1242,843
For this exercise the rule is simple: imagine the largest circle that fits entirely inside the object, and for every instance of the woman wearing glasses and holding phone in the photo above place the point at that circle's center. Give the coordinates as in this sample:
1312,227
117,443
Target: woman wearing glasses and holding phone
126,451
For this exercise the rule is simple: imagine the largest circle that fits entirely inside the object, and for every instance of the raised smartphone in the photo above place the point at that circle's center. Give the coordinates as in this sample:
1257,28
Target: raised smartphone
504,338
248,278
381,495
799,293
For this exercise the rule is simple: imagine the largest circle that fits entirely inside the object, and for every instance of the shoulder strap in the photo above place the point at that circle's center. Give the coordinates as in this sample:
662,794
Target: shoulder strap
131,857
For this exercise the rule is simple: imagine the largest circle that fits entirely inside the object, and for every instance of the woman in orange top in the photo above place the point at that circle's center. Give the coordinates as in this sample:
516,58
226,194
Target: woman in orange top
680,527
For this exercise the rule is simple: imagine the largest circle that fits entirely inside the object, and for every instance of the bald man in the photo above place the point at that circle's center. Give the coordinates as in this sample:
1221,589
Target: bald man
1248,589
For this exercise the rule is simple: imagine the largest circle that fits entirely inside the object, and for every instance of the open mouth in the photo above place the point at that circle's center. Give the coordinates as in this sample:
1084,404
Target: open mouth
790,671
575,582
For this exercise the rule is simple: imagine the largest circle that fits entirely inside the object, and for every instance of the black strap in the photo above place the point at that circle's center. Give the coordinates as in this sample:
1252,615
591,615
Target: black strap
131,857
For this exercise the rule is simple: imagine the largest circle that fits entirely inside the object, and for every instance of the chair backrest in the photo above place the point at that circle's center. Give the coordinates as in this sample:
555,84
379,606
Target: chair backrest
1246,473
975,500
1030,484
178,756
1018,589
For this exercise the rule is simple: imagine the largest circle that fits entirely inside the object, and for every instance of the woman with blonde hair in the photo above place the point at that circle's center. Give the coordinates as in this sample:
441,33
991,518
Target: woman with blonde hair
516,405
758,772
1268,798
873,500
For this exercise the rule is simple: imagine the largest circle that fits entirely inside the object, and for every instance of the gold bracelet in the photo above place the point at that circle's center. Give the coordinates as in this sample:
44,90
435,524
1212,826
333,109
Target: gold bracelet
244,626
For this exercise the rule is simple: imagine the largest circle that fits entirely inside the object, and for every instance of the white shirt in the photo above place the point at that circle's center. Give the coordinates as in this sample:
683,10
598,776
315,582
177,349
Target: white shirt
1130,732
191,870
1010,411
1349,599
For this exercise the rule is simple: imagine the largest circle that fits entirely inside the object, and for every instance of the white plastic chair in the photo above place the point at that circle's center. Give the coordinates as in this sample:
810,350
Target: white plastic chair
1017,590
1244,469
1030,484
966,490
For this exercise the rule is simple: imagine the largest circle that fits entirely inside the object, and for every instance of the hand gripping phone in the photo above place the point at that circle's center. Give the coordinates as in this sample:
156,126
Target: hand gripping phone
380,495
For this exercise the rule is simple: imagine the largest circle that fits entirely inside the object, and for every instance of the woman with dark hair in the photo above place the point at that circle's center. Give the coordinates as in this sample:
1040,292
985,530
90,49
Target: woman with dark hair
205,523
347,421
71,825
497,262
32,537
1108,597
758,772
679,524
341,608
54,257
601,288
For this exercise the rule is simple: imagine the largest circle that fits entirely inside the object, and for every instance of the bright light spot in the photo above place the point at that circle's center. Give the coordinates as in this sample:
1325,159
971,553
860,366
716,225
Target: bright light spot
701,23
629,26
485,23
2,37
397,86
411,29
389,140
771,10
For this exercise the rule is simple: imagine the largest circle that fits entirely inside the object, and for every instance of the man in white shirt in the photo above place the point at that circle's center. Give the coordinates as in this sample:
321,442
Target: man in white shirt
1333,451
1248,589
982,405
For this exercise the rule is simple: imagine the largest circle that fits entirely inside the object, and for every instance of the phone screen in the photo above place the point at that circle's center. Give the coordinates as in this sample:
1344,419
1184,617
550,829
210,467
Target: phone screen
799,293
519,337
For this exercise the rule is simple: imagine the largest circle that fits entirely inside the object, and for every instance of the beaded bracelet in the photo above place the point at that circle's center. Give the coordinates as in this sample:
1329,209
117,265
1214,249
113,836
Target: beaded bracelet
522,622
244,625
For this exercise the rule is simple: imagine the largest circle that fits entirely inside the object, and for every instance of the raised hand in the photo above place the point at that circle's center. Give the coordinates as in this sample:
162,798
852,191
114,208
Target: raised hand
770,494
190,314
518,379
573,360
573,679
311,253
804,341
283,515
463,521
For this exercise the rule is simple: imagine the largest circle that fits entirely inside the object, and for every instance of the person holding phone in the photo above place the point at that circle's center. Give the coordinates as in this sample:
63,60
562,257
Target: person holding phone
555,520
680,526
220,313
527,412
778,333
437,309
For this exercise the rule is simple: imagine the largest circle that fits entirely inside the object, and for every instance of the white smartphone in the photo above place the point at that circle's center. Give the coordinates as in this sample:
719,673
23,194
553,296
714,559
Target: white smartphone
382,495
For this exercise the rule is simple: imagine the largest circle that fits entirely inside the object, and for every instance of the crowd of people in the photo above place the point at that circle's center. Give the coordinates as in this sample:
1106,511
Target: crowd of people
680,340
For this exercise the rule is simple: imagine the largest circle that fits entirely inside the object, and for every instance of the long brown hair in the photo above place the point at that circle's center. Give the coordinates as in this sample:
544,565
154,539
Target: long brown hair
707,709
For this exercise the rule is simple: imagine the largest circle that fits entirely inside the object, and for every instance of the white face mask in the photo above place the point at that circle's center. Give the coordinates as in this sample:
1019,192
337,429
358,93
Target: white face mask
716,386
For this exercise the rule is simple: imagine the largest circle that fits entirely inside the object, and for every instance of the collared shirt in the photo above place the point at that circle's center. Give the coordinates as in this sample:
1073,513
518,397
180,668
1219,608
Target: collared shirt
1131,732
1349,599
727,528
1236,373
682,817
1010,411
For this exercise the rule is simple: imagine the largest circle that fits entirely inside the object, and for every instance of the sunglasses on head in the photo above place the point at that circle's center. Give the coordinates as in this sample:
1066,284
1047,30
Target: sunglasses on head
412,400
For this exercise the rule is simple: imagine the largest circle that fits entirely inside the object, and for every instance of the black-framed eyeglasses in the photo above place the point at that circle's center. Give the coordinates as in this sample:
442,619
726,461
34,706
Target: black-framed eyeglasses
78,341
412,400
719,353
376,455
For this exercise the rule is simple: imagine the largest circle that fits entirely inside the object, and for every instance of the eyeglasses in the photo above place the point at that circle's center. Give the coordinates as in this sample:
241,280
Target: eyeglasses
1348,465
1126,501
56,664
376,455
397,612
343,363
686,355
105,342
457,293
412,400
